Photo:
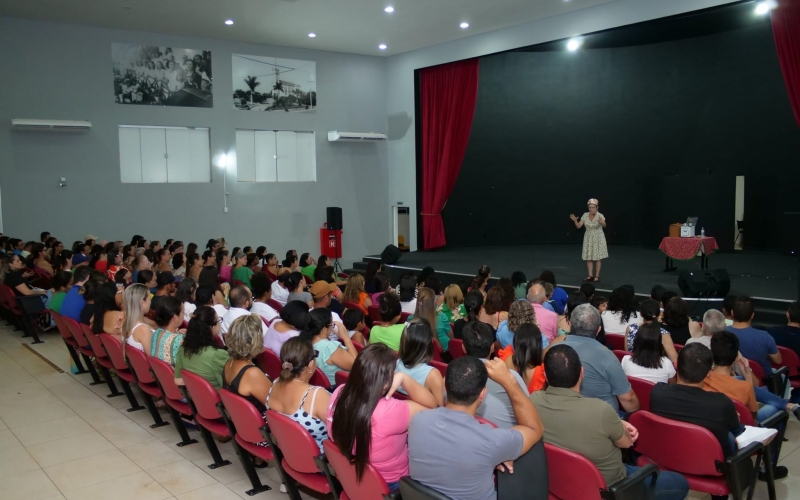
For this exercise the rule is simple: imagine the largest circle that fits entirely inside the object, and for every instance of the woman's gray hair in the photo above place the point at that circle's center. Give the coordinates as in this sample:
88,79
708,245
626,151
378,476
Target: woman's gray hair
713,322
584,321
245,339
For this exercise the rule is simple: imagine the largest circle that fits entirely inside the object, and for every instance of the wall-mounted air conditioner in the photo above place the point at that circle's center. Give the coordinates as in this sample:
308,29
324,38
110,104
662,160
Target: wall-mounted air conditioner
50,125
336,136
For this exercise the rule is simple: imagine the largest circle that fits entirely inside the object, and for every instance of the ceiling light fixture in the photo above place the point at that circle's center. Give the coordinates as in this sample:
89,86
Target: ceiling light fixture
574,44
765,6
389,9
312,35
464,26
382,46
229,22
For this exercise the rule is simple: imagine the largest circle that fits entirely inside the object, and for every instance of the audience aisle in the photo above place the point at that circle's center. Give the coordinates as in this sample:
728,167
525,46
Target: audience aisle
61,438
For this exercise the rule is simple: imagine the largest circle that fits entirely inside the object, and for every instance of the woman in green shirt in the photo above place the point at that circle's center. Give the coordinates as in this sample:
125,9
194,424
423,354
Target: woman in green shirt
198,354
308,265
244,271
453,304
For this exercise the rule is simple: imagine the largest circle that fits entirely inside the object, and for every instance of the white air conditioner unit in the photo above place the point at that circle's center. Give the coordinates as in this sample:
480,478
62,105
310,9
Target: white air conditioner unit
50,125
336,136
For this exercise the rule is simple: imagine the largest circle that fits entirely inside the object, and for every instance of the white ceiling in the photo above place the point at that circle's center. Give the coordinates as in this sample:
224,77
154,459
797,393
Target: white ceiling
355,26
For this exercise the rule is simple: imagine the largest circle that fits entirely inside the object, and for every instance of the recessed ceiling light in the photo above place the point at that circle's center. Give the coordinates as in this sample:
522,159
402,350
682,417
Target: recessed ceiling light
464,26
229,22
312,35
765,6
382,46
574,44
389,9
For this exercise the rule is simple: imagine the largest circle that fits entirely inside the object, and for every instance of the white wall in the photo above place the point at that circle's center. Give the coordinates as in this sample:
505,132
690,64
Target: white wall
400,73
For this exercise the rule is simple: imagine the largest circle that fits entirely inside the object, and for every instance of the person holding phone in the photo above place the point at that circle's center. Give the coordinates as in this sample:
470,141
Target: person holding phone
594,240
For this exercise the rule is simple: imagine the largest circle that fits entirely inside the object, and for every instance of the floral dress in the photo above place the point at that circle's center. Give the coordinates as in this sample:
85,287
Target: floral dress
594,241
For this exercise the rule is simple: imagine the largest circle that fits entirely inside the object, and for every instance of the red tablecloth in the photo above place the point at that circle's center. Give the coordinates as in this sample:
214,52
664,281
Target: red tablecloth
688,248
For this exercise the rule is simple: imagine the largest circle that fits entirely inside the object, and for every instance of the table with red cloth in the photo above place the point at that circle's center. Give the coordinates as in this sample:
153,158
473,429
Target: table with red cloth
688,249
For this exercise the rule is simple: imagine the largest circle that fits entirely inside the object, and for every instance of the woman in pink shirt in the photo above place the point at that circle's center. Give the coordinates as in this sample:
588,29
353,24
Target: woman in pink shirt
368,425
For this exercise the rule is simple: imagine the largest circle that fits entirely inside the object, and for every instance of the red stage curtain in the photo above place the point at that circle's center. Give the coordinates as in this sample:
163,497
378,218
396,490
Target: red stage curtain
448,94
786,30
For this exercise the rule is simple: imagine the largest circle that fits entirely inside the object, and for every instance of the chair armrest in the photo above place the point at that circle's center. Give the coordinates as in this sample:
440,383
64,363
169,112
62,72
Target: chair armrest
393,496
739,469
773,421
32,304
779,379
634,486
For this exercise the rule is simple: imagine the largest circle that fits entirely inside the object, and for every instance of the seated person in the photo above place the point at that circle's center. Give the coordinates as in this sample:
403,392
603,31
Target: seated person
206,295
688,402
650,311
589,426
261,285
370,426
16,276
333,355
74,302
496,405
62,281
440,440
353,320
165,284
416,351
604,377
290,393
197,353
754,344
294,318
649,360
388,331
135,327
789,335
713,322
166,338
241,300
526,356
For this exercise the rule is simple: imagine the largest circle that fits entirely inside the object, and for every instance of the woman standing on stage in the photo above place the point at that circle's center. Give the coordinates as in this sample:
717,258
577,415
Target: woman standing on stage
594,241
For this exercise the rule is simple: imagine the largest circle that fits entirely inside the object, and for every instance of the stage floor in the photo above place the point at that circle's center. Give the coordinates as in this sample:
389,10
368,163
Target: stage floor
759,274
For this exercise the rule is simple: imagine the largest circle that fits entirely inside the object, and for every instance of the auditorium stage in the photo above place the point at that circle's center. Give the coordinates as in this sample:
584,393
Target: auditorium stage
766,275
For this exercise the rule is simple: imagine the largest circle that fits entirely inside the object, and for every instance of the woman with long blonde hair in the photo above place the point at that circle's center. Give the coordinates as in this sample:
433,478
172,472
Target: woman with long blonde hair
354,292
426,308
135,330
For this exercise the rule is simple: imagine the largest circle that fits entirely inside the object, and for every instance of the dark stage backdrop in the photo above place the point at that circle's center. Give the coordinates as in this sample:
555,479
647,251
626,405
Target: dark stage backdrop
553,129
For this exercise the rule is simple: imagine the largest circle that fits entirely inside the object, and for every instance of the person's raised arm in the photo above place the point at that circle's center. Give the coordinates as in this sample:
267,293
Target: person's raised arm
344,358
421,398
25,290
528,422
578,222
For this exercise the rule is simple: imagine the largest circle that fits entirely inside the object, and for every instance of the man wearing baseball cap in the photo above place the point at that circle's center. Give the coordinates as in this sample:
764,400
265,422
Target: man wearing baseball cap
322,291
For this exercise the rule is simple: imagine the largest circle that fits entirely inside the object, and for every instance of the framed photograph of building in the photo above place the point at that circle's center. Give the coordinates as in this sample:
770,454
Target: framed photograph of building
273,84
162,76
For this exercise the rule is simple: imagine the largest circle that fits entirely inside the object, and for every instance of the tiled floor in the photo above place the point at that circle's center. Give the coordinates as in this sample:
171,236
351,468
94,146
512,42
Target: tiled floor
63,439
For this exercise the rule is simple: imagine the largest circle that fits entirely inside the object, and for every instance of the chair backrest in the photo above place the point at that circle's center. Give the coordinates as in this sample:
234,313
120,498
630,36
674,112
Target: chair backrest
352,305
275,304
789,359
246,418
757,371
77,332
437,351
571,475
298,447
4,298
442,367
238,283
62,327
141,367
269,362
456,348
485,422
374,313
620,354
678,347
114,351
372,485
218,342
94,341
404,317
203,395
745,416
679,446
358,346
166,378
320,379
615,341
642,389
414,490
340,377
10,299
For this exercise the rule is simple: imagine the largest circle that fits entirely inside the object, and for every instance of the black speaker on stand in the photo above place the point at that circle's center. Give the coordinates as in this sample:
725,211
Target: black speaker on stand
334,217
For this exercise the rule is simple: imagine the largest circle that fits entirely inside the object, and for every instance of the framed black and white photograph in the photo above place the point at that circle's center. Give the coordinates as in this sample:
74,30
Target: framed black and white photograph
274,84
162,76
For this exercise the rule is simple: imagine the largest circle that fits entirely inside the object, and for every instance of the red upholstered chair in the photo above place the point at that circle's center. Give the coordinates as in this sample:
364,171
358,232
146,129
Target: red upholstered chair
642,389
103,361
320,379
113,348
351,305
757,371
298,455
83,347
358,346
343,276
791,361
694,452
69,340
165,376
20,308
374,313
269,362
620,354
340,377
442,367
248,428
372,485
205,404
404,317
238,283
437,352
484,421
615,341
456,348
140,367
678,347
217,342
573,476
275,304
